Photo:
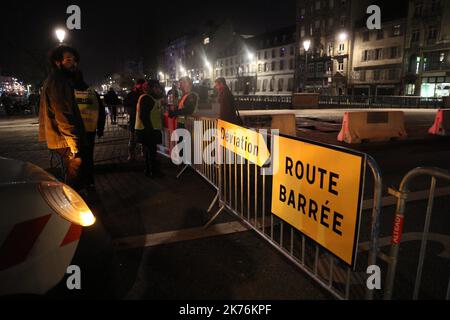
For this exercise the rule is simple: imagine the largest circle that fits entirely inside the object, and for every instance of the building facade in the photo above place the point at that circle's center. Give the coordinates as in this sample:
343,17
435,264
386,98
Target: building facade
324,46
377,60
427,49
260,65
194,54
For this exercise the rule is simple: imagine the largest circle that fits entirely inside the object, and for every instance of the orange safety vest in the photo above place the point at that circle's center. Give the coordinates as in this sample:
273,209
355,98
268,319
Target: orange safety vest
182,119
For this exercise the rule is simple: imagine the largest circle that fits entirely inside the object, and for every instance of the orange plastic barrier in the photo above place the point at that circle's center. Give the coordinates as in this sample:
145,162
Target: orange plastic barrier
372,126
441,126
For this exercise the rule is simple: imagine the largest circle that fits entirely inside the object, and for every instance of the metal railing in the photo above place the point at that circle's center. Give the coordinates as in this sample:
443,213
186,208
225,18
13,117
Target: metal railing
253,102
380,102
263,102
243,191
402,196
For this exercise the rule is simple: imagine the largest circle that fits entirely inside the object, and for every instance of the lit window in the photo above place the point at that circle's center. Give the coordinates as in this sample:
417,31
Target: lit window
206,41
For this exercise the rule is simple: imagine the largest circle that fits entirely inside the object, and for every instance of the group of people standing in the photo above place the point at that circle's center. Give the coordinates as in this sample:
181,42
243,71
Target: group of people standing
72,115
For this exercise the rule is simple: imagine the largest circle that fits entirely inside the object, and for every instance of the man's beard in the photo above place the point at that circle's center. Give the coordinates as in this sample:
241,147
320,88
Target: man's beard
70,73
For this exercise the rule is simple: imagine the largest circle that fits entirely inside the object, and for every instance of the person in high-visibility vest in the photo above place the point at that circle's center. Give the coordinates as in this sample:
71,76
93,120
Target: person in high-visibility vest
149,119
188,103
93,115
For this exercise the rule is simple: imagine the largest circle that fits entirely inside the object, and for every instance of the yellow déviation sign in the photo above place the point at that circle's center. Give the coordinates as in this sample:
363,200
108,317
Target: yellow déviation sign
247,143
318,191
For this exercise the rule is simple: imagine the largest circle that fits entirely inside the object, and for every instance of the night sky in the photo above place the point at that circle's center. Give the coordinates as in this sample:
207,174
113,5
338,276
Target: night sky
114,31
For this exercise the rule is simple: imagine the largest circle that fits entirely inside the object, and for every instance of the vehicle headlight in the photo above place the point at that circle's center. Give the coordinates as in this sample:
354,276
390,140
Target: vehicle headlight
67,203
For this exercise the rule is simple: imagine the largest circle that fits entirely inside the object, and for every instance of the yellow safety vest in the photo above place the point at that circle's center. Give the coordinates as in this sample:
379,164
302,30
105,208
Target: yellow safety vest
88,104
155,115
182,119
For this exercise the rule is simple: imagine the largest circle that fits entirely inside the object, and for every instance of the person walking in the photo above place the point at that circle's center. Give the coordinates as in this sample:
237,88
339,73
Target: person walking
60,122
93,114
148,126
228,111
112,101
130,104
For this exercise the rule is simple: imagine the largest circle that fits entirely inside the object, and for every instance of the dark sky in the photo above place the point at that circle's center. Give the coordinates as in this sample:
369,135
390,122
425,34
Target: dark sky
113,31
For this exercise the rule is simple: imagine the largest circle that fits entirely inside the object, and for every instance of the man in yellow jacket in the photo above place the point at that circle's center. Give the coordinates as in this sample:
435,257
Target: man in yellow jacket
149,119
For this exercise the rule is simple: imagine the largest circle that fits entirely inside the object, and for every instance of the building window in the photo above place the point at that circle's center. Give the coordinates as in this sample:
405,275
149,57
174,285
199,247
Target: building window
341,47
343,21
380,34
396,30
432,33
320,67
281,65
282,52
341,66
291,50
418,9
264,88
272,84
290,87
362,75
330,49
376,75
393,74
330,23
291,64
366,36
415,37
206,41
302,32
393,52
266,55
260,67
266,67
280,84
311,68
365,55
274,66
331,4
318,5
377,54
274,54
317,24
259,55
258,86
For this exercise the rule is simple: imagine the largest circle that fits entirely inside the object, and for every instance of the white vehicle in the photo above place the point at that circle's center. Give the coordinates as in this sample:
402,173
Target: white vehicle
41,221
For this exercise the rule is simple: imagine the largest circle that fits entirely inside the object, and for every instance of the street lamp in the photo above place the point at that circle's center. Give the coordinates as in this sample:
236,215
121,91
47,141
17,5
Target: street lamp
254,63
343,36
306,46
61,35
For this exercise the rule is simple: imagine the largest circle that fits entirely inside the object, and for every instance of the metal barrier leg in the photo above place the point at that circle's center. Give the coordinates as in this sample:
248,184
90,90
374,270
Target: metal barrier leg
211,221
214,202
182,171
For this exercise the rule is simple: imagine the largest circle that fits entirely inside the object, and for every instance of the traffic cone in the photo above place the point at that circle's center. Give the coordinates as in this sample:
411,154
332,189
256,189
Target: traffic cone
441,126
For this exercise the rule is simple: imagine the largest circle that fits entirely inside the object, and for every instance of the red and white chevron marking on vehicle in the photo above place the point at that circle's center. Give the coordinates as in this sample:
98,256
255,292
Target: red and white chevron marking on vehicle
37,243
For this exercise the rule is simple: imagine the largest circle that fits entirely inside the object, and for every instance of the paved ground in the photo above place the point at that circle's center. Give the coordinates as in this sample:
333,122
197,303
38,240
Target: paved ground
224,265
148,242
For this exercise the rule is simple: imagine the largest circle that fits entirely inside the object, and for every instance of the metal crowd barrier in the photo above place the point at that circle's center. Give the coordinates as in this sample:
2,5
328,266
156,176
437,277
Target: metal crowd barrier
402,196
111,148
244,192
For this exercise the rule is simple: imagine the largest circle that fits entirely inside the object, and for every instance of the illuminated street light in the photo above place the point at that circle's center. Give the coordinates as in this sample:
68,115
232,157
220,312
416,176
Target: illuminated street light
343,36
61,35
307,45
251,56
